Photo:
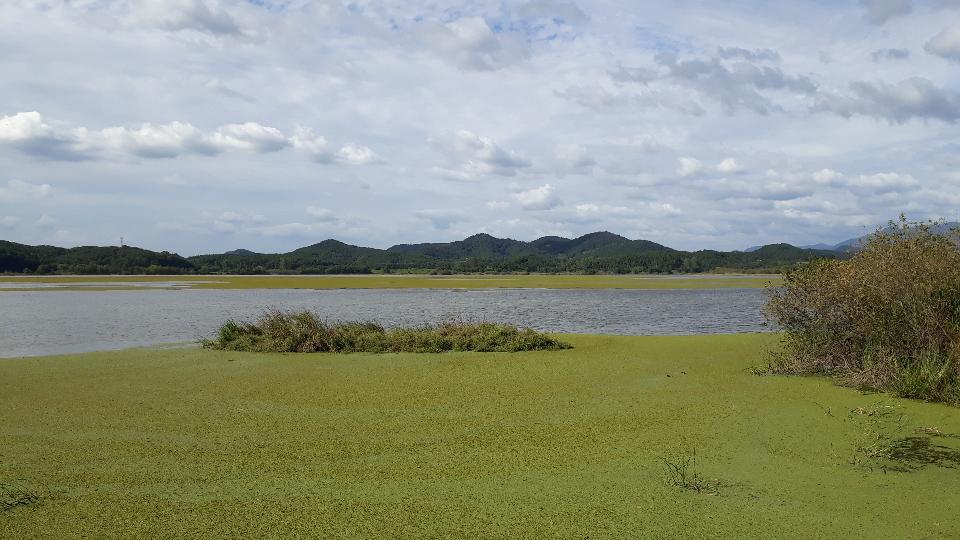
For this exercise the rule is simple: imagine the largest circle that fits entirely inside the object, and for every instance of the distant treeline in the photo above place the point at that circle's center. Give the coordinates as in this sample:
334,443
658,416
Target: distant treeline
601,252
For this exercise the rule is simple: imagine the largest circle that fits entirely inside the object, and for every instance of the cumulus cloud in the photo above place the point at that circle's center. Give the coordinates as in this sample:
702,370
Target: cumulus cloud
471,44
538,198
19,190
737,86
594,211
357,155
573,156
916,97
687,166
195,15
480,156
29,133
729,166
826,176
316,146
878,12
884,182
756,55
946,44
249,136
880,55
321,214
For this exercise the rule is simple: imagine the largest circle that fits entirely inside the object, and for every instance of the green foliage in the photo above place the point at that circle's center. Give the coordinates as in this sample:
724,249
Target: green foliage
89,260
593,253
886,319
303,331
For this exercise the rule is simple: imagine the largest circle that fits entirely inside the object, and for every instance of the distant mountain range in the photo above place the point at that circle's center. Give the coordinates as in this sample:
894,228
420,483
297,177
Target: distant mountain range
599,252
854,244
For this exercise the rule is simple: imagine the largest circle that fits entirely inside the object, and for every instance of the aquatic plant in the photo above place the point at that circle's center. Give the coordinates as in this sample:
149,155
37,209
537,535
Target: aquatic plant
304,331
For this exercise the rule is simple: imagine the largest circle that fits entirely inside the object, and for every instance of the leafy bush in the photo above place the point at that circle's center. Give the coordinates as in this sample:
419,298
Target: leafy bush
304,331
888,318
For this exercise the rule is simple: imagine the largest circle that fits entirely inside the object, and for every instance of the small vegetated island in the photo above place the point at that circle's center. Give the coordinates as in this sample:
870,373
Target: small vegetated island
306,332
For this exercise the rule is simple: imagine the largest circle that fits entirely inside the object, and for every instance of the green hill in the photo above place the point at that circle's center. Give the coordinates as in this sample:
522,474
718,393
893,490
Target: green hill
599,252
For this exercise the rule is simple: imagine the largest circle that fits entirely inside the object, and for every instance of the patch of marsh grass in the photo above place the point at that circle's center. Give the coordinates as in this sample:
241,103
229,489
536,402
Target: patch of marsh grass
305,331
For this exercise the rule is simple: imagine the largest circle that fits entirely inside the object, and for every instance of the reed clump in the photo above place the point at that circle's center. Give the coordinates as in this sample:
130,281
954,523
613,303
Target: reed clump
306,332
887,318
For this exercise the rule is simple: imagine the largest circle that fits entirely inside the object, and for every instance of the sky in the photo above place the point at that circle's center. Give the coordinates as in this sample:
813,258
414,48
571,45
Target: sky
199,126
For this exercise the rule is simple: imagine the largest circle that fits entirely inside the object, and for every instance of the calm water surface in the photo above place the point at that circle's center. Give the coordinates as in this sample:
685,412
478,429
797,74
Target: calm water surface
52,322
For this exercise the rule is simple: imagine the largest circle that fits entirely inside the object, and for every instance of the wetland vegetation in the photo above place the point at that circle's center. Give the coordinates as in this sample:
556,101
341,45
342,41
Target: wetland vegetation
568,443
886,319
306,332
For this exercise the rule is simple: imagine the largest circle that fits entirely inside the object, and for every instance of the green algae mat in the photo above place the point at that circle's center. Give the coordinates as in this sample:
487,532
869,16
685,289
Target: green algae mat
572,444
532,281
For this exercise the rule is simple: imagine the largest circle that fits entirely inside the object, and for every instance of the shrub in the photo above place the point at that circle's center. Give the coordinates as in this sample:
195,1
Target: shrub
304,331
888,318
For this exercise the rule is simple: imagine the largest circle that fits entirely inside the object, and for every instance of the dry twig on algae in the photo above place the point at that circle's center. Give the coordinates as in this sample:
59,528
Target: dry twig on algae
682,472
14,495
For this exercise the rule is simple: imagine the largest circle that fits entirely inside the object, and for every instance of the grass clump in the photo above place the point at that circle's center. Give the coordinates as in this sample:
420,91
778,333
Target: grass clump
888,318
682,471
304,331
14,495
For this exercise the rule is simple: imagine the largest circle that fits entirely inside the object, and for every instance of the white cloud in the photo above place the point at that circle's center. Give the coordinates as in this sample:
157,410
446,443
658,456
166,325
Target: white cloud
538,198
321,214
946,43
29,133
688,166
316,146
20,190
884,182
46,221
357,155
469,43
9,222
249,136
729,166
498,205
913,98
826,176
587,209
156,141
573,156
202,16
480,155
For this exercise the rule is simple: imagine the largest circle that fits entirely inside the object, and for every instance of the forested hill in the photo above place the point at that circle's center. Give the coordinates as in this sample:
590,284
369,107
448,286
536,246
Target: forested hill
17,258
600,252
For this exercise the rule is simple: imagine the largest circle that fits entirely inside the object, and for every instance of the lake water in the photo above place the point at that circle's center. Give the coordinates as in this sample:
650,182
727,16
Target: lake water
52,322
